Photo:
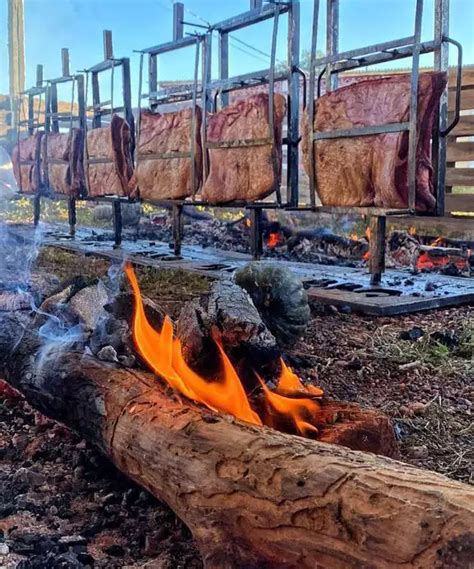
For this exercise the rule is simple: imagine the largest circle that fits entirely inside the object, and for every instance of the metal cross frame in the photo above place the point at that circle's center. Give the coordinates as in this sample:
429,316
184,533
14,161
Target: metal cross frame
102,108
336,62
210,90
157,97
57,118
411,46
39,91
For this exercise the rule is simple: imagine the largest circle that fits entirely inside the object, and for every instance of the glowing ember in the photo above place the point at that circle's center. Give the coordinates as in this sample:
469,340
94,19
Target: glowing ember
163,354
354,237
273,240
412,231
430,262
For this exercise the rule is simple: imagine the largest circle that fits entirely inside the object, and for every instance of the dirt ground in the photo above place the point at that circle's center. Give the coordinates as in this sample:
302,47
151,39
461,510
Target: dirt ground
63,505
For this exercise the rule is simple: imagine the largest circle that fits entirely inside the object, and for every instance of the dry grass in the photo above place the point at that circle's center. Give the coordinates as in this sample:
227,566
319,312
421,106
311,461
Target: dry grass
426,352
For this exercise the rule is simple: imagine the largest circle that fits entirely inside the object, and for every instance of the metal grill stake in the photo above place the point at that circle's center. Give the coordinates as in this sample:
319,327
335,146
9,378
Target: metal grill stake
101,108
33,126
411,46
57,119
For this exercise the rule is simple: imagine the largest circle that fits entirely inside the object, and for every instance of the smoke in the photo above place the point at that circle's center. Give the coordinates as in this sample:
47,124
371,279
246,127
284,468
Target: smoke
17,255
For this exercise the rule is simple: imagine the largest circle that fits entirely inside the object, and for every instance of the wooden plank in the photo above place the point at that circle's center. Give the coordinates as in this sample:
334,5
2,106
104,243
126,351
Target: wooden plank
460,202
467,76
467,99
465,126
460,151
460,177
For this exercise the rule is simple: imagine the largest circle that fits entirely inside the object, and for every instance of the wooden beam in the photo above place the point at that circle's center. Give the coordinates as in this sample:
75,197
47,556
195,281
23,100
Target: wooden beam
460,177
467,76
467,99
460,151
465,126
460,202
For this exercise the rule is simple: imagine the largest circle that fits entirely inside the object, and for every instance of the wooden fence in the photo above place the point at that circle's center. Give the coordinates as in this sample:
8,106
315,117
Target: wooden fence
460,150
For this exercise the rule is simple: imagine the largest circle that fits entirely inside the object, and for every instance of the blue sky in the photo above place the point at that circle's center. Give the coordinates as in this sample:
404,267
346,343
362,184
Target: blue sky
78,24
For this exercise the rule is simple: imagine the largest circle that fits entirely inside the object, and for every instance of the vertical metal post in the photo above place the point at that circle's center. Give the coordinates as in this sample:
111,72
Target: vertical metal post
117,217
178,17
177,212
312,77
332,40
127,99
224,63
256,4
39,84
81,101
65,62
412,133
36,209
72,218
53,93
31,114
152,77
96,121
108,46
378,229
206,99
438,149
39,75
293,102
256,241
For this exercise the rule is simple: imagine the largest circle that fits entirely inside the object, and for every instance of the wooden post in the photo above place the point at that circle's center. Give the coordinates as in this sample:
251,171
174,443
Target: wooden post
378,227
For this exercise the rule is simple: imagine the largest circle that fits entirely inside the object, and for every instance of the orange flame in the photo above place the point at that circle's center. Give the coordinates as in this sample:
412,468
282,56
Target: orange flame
368,233
273,240
412,231
163,354
437,242
354,237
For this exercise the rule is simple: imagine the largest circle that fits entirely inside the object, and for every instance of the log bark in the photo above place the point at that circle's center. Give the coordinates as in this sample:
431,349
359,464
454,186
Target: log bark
253,498
228,315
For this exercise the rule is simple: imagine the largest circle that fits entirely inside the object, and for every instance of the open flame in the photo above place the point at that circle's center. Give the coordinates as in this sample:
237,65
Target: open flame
163,354
273,240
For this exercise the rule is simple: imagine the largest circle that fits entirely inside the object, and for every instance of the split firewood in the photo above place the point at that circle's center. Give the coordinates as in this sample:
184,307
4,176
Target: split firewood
228,315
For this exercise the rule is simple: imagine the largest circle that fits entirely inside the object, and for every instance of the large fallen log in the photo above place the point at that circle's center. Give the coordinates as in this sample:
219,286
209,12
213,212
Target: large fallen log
252,497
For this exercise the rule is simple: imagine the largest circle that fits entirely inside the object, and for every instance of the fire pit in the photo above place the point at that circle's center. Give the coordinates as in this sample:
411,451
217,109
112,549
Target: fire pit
247,491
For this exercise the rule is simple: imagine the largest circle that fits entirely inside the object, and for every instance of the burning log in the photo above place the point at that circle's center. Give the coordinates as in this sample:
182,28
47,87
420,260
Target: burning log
252,497
227,316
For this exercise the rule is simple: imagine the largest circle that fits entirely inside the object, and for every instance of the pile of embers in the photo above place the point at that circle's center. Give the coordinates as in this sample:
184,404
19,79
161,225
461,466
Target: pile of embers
318,245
